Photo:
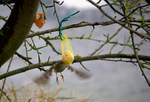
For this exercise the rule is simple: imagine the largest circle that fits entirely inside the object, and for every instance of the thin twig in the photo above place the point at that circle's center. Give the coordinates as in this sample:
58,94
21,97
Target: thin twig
26,49
24,58
107,41
4,81
84,66
111,6
119,22
55,11
137,58
50,44
38,53
5,94
136,10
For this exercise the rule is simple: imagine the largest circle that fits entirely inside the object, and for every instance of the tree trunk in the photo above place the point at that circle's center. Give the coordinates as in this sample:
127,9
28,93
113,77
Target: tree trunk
17,27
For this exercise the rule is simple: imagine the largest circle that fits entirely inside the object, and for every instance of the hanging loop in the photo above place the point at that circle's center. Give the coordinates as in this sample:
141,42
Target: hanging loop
63,20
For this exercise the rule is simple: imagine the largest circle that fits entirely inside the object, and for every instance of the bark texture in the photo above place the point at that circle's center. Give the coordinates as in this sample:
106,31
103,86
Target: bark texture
17,27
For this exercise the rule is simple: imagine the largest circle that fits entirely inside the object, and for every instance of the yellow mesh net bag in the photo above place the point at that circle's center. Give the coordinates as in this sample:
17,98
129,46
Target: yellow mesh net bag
66,50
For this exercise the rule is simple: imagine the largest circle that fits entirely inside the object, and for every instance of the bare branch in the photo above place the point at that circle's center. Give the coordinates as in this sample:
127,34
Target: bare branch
81,24
119,22
78,25
137,58
78,59
107,41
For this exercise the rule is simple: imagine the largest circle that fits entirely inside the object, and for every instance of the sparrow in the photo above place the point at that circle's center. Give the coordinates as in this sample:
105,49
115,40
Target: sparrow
59,68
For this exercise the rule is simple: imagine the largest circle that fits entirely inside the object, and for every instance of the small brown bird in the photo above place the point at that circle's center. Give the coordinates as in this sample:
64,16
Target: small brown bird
59,68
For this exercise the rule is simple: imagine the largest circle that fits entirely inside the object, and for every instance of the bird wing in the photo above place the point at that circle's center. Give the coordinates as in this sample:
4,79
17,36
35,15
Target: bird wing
80,73
43,79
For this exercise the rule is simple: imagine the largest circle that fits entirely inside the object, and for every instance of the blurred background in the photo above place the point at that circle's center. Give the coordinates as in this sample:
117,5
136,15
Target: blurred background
110,81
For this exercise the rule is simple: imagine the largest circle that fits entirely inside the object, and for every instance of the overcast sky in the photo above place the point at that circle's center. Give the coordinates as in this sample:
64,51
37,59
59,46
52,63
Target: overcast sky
80,3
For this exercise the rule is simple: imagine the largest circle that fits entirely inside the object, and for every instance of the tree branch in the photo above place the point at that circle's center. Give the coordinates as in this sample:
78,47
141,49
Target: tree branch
137,57
81,24
77,59
119,22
